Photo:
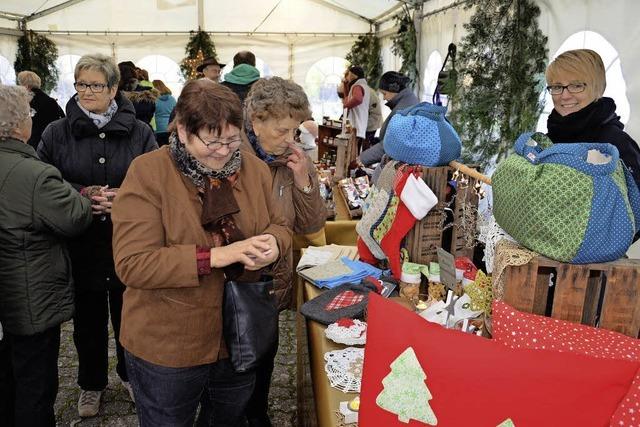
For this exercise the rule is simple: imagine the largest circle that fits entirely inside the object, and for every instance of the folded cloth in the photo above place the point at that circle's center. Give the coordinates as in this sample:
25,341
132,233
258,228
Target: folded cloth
338,272
330,306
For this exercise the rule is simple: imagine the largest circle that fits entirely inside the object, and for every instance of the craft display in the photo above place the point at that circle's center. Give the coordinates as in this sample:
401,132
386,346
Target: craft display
344,368
347,331
574,203
335,273
347,300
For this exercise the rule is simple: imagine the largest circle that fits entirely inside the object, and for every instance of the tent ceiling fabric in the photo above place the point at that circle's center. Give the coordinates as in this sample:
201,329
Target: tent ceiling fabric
27,7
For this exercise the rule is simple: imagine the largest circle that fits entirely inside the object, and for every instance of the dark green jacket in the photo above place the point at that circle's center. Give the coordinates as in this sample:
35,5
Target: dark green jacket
37,211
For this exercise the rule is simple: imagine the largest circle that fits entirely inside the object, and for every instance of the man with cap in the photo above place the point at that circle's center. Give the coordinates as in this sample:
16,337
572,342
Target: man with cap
356,100
396,91
211,68
243,75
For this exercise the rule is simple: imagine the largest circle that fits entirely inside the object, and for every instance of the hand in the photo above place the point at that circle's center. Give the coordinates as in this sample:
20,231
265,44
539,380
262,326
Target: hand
103,201
297,162
254,252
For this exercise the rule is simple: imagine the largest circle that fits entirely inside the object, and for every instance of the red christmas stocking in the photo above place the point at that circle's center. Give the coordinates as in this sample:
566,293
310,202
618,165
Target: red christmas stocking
402,223
365,253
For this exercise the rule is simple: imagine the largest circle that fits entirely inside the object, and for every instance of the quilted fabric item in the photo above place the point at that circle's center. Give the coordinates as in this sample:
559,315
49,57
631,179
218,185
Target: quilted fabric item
490,381
422,135
344,299
316,309
552,201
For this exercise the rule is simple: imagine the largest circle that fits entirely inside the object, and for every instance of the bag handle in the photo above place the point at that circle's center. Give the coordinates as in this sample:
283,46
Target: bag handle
424,109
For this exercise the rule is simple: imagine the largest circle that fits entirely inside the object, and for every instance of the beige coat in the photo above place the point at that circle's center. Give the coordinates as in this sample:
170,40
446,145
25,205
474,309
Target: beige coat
170,315
303,213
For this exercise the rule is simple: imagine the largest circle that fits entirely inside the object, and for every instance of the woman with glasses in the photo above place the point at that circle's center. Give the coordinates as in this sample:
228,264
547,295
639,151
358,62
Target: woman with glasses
576,81
188,217
274,109
93,147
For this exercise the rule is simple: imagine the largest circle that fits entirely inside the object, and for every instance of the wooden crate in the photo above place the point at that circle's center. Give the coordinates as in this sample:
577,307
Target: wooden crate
428,235
606,295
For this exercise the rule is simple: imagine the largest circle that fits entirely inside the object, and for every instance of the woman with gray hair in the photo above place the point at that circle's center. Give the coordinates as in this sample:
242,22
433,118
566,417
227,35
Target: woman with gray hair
93,148
38,210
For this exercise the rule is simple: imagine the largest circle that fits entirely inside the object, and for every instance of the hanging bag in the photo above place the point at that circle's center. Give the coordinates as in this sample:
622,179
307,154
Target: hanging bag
421,135
574,203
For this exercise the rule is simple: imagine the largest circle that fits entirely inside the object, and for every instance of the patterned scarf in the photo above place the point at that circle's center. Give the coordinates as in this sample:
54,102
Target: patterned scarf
253,140
100,120
216,191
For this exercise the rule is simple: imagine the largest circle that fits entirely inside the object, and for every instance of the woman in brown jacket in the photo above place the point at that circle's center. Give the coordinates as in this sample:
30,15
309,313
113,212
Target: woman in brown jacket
274,109
188,217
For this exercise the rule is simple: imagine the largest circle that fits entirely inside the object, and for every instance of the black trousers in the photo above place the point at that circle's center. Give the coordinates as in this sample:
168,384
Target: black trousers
91,336
259,403
29,378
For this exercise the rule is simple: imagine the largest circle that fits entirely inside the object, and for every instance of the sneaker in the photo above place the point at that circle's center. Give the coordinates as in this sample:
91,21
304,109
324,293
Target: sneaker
127,385
89,403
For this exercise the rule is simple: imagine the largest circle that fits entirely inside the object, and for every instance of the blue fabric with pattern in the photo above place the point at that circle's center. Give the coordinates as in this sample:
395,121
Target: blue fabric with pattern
421,135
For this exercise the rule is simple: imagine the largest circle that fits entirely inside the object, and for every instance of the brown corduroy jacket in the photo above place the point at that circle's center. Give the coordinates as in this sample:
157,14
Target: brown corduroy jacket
171,316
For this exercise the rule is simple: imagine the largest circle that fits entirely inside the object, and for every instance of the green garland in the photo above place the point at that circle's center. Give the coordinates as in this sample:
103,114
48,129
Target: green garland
199,41
500,76
405,45
38,54
365,52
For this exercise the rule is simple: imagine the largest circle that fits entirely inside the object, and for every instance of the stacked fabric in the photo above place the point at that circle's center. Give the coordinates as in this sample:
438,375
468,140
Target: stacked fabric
338,272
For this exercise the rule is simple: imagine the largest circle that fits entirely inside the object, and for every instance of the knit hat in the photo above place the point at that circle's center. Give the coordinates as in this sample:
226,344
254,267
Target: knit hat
357,70
242,74
392,81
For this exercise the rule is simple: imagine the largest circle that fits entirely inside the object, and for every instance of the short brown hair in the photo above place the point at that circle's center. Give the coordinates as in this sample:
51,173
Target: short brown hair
29,79
161,87
244,57
586,64
204,104
275,97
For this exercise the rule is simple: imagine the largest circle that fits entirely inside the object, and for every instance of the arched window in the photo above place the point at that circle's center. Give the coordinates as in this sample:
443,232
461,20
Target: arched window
616,86
321,85
263,67
7,73
430,80
64,90
163,68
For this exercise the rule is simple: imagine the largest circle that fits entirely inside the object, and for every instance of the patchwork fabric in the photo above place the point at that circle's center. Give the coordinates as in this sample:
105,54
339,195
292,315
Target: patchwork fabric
345,299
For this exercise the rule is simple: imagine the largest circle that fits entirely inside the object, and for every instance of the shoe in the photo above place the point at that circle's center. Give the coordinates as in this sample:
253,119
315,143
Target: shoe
127,385
89,403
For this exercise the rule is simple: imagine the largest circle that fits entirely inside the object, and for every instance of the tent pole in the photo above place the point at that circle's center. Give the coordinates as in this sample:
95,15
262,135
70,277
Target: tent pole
417,22
201,14
290,60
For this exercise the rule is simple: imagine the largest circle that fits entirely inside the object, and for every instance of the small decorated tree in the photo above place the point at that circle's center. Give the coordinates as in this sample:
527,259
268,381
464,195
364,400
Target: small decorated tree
405,392
200,46
38,54
405,45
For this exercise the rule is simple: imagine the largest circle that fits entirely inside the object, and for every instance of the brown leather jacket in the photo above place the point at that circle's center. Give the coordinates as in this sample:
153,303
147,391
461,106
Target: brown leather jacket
303,213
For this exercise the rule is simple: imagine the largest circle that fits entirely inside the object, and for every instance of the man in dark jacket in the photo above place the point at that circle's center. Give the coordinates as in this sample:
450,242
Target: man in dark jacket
46,108
243,75
38,210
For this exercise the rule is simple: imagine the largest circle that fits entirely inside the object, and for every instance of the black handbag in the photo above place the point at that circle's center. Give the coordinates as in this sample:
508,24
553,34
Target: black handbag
250,322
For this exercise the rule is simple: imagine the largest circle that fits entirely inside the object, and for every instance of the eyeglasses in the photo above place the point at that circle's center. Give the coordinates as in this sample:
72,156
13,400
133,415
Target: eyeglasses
218,143
571,88
32,112
95,87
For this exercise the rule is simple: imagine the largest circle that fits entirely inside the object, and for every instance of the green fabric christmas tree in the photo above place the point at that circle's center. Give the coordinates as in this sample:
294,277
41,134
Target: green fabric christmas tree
405,392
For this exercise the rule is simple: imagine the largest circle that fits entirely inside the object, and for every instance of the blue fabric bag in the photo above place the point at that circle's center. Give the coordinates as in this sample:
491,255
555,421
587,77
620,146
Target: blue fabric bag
421,135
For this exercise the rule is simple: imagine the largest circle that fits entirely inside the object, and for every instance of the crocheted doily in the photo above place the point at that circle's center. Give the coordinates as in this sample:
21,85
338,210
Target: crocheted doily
344,368
349,332
508,253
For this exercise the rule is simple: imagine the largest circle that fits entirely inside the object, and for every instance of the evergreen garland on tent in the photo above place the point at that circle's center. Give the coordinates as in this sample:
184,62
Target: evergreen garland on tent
365,52
405,45
199,46
501,66
38,54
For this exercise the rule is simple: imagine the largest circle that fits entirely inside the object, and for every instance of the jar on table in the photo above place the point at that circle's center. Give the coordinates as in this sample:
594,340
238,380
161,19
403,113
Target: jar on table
410,286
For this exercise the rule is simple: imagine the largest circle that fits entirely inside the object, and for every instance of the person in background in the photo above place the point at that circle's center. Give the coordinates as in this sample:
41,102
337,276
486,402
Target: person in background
274,109
188,217
396,91
576,80
164,106
143,98
211,69
143,78
93,147
243,75
306,136
38,210
374,119
356,100
46,108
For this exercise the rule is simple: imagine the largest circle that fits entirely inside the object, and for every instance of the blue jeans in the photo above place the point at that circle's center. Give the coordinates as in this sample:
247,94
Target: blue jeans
169,396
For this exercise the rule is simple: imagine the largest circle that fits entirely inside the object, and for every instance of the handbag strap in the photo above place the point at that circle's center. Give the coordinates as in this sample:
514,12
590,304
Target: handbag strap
425,109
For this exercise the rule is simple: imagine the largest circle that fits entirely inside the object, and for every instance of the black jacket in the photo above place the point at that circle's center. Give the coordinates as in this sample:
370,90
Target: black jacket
238,89
87,156
47,111
37,211
597,122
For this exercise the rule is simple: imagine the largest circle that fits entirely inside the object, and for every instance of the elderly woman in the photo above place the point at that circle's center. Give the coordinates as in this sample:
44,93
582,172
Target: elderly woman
576,81
93,147
274,109
188,217
38,210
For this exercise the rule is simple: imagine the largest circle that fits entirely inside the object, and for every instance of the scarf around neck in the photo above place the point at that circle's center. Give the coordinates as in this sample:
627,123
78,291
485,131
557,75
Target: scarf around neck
584,123
100,120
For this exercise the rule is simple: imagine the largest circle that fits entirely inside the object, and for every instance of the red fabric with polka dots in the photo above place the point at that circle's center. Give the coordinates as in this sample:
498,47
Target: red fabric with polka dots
516,329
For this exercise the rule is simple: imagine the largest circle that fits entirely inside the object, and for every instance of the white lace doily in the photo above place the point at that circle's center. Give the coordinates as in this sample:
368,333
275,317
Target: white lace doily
344,368
490,234
355,334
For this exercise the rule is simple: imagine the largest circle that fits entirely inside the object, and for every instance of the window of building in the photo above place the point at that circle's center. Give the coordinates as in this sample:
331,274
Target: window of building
7,73
321,85
616,85
64,90
163,68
